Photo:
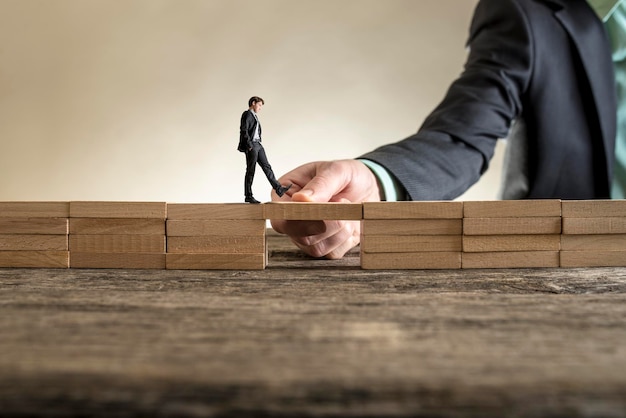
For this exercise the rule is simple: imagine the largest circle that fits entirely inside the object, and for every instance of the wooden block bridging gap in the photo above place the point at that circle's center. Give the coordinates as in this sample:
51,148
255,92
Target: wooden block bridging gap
216,245
117,243
411,244
612,242
516,259
412,227
493,243
313,211
411,261
216,261
117,260
512,226
140,210
512,209
109,226
412,210
214,211
594,226
34,209
593,208
35,259
194,228
572,259
40,226
33,243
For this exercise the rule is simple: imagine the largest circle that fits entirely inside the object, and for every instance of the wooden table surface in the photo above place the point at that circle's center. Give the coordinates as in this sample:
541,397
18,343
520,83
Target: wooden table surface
313,338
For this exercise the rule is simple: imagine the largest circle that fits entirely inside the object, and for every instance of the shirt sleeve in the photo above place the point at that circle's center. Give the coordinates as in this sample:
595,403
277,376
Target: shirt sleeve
392,190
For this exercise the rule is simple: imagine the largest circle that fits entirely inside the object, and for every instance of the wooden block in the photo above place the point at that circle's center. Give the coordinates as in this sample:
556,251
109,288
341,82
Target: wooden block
107,226
411,244
35,259
117,260
512,226
411,261
40,226
613,242
211,211
216,245
594,226
140,210
593,208
34,209
117,243
412,210
33,243
314,211
512,209
490,243
216,261
194,228
571,259
506,260
412,227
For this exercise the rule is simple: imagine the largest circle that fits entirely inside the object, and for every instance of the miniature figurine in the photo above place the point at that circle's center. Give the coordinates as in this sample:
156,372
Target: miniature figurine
250,143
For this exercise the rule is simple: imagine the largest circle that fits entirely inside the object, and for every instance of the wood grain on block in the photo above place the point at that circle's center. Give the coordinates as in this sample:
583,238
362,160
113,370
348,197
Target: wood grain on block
33,243
411,244
35,259
209,211
512,209
313,211
594,226
44,226
411,261
489,243
412,227
34,209
412,210
512,226
117,260
593,208
611,242
140,210
193,228
108,226
216,261
571,259
117,243
216,244
514,259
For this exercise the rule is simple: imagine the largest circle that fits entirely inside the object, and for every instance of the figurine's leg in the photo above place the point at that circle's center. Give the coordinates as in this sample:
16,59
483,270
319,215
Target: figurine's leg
267,168
251,159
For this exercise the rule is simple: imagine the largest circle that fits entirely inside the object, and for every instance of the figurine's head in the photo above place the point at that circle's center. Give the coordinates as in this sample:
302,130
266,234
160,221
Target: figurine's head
255,103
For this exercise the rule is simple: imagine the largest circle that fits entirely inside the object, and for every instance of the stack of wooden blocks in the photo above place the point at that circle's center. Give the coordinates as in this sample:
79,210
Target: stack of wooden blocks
511,234
128,235
594,233
412,235
34,234
216,237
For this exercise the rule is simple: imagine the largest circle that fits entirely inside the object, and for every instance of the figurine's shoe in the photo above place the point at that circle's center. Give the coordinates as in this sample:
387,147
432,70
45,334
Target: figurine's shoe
281,190
251,200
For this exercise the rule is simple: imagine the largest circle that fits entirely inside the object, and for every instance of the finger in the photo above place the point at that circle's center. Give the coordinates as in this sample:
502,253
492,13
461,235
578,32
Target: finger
299,228
332,246
330,180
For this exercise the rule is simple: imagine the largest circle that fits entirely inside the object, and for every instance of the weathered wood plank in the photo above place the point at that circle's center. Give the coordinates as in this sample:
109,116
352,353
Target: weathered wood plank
412,210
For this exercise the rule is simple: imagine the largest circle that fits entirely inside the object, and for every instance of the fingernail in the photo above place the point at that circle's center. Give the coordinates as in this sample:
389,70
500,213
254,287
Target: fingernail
306,192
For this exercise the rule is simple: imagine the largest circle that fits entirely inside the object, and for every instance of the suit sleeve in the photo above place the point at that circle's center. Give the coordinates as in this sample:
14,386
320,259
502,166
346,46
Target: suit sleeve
456,141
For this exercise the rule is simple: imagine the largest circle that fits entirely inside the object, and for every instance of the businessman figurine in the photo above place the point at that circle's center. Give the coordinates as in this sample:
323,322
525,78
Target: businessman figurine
250,143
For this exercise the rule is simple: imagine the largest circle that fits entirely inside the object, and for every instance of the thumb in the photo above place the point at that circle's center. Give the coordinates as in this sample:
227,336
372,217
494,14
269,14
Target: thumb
330,179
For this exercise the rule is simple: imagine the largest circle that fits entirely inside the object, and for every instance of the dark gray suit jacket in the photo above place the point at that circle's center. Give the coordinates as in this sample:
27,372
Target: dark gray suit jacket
246,130
546,62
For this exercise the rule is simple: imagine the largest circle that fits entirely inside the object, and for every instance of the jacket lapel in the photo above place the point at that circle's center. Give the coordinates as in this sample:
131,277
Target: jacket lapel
594,50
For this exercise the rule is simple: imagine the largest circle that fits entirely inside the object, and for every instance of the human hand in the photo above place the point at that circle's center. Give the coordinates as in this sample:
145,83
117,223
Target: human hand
327,181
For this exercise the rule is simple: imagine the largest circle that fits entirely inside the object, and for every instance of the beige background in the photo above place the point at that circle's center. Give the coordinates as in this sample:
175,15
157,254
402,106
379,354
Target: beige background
141,99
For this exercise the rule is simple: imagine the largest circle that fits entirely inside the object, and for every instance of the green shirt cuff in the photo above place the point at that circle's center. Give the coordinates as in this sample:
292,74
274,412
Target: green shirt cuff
391,189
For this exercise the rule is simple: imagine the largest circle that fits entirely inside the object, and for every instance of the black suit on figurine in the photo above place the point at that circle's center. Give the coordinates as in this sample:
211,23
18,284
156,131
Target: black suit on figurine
255,153
543,63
